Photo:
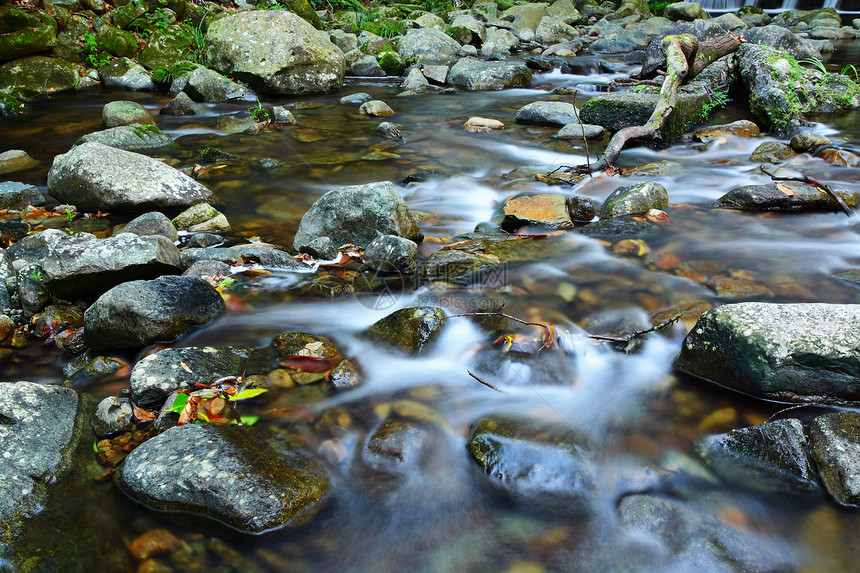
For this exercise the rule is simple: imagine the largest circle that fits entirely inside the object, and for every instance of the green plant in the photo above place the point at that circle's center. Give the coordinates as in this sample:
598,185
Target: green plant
197,45
70,216
389,29
269,5
718,99
142,130
91,51
364,16
259,113
158,19
815,63
849,71
166,74
38,276
438,6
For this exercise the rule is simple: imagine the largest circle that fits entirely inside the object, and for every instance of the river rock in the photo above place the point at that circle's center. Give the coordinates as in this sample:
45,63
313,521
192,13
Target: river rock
35,77
410,329
415,81
154,223
623,42
545,210
476,75
139,313
14,195
375,108
806,140
739,128
225,473
87,268
136,137
547,113
835,440
165,47
475,27
753,16
482,125
275,51
782,92
499,41
428,46
24,33
363,65
157,375
619,228
782,39
784,196
532,461
792,18
390,253
117,113
211,87
634,200
40,423
356,214
786,352
687,11
182,105
771,152
112,416
125,73
389,130
116,42
770,458
97,177
580,131
16,160
250,254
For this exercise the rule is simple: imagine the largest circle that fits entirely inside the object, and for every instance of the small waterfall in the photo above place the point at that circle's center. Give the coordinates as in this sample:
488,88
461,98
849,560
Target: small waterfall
790,5
726,5
831,4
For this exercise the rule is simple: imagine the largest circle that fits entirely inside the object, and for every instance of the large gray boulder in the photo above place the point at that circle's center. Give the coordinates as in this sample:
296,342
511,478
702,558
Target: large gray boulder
782,92
835,440
136,137
786,352
547,113
118,113
781,39
126,73
355,214
139,313
96,177
37,432
86,268
428,46
787,196
211,87
275,51
14,195
224,473
476,75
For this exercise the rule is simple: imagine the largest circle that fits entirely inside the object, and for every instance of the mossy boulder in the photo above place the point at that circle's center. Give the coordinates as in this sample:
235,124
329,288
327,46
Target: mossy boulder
22,33
123,16
10,107
635,200
391,62
304,9
140,138
782,92
835,445
166,47
827,17
276,52
409,329
34,77
117,42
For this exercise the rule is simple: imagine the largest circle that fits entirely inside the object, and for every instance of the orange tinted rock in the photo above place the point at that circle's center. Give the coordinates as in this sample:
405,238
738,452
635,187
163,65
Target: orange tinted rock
840,157
740,128
482,125
736,287
154,542
547,210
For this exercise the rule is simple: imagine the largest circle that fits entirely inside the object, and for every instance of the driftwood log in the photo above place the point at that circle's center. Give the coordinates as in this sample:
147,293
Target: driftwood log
685,59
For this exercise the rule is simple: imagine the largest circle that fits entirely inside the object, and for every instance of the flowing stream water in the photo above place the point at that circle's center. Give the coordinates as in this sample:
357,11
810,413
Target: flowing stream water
445,515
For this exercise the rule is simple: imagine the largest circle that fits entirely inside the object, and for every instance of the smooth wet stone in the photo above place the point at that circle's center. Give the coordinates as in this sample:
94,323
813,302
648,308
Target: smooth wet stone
621,228
482,125
209,86
389,253
771,152
242,255
547,113
389,130
182,105
38,428
97,177
357,214
112,416
86,268
428,46
344,375
358,98
807,140
786,352
738,288
157,375
140,138
117,113
225,473
839,157
362,65
14,195
126,73
410,329
771,458
835,441
281,115
403,447
740,128
784,196
634,200
276,51
138,313
154,223
687,11
546,210
15,160
581,131
476,75
415,81
375,108
531,460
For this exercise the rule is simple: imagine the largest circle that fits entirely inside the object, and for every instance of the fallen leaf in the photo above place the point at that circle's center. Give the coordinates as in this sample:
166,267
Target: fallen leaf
186,368
144,415
785,189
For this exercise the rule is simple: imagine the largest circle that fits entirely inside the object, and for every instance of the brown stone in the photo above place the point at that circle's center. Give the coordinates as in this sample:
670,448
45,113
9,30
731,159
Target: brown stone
482,125
740,128
840,157
546,210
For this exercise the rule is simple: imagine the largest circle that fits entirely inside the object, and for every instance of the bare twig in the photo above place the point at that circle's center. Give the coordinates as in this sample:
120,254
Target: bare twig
797,407
584,138
804,178
484,382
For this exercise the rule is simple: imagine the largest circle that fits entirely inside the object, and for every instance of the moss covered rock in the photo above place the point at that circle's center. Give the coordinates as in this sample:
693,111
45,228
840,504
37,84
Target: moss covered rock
166,47
37,76
117,42
409,329
22,34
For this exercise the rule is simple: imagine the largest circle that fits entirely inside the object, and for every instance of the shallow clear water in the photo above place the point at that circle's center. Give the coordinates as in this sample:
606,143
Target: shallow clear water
445,515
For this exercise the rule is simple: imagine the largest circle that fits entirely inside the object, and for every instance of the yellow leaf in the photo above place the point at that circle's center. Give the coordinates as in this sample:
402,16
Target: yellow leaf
785,189
186,368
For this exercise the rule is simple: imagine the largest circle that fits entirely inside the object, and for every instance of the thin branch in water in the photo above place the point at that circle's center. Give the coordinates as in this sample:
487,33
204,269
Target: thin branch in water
584,139
484,382
815,183
638,333
790,408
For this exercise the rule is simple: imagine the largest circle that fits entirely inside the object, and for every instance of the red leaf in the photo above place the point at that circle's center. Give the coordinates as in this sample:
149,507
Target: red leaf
307,363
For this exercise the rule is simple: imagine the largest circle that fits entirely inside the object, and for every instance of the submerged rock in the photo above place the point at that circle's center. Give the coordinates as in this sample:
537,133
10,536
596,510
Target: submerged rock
784,196
546,210
97,177
390,253
786,352
356,214
634,200
771,152
770,458
581,131
621,228
409,329
139,313
275,51
835,440
16,160
476,75
225,473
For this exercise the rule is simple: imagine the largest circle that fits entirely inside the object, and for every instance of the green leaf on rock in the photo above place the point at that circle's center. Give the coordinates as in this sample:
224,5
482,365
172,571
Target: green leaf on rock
249,393
179,403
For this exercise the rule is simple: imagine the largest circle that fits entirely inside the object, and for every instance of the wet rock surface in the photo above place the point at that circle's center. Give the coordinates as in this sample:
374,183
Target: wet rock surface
784,196
410,329
225,473
835,441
